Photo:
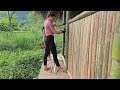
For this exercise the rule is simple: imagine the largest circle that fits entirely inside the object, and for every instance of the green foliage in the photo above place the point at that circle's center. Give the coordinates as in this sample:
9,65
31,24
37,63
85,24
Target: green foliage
58,42
115,69
19,55
30,16
4,25
20,51
24,40
4,22
116,46
25,28
21,64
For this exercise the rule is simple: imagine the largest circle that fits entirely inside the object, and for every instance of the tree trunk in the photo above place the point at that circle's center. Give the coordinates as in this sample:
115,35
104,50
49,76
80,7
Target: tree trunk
10,24
10,20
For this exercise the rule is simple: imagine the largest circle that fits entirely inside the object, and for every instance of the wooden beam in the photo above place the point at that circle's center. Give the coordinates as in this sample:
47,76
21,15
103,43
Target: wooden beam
67,37
63,42
81,16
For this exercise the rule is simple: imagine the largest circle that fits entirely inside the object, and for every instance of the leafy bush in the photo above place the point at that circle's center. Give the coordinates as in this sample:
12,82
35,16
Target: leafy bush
19,55
21,64
4,25
24,40
115,69
20,51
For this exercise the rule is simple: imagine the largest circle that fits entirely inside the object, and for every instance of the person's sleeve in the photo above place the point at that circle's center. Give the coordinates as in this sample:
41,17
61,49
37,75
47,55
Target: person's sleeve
51,26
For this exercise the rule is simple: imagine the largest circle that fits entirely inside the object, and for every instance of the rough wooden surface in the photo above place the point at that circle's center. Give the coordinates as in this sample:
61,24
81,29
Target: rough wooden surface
48,75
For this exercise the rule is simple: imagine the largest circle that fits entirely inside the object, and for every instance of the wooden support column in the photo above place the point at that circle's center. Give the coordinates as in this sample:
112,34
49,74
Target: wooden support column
63,42
67,37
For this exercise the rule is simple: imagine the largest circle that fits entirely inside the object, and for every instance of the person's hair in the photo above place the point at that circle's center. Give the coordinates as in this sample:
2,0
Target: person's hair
43,28
52,14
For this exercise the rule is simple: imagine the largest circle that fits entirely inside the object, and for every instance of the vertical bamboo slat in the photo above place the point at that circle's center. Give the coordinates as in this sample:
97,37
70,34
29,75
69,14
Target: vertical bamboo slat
109,28
96,36
77,47
81,51
111,43
72,52
97,47
84,49
100,30
74,49
103,41
88,19
94,45
79,36
105,45
80,54
90,49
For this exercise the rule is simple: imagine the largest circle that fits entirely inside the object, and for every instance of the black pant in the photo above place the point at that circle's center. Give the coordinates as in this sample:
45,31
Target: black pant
50,46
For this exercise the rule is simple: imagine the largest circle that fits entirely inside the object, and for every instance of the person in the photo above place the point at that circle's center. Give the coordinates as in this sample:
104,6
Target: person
49,40
43,43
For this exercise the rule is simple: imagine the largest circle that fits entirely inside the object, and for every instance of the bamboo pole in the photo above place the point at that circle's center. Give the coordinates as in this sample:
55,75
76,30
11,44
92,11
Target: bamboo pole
63,43
82,15
101,36
94,43
108,28
67,37
104,44
111,43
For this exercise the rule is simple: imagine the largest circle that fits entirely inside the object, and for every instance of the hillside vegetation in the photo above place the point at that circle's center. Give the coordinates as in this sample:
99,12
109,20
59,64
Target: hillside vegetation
20,51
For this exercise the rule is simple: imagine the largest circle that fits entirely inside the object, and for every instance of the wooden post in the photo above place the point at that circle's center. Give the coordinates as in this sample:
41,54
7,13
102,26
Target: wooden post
63,43
67,37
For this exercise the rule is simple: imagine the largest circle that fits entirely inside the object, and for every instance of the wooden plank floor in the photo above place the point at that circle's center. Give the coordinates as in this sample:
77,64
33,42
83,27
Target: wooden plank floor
48,75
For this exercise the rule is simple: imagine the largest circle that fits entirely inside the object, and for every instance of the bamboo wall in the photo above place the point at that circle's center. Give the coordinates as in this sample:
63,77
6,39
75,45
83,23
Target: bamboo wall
90,46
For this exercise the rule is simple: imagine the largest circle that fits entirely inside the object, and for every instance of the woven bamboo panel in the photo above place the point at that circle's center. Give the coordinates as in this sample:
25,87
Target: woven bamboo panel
90,46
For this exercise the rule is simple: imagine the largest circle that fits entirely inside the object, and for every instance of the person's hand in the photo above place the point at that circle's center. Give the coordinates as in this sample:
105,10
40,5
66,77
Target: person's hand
62,31
64,23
